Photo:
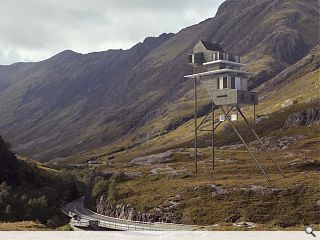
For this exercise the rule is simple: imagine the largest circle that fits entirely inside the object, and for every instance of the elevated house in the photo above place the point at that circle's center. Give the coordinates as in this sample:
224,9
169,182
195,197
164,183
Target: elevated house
221,74
226,83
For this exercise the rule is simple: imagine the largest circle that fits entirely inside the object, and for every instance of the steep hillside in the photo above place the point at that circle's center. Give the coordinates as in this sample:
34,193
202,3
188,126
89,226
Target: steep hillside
306,65
72,103
9,169
270,34
31,191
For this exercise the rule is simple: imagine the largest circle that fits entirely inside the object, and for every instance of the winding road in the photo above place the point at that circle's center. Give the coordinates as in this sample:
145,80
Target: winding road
87,218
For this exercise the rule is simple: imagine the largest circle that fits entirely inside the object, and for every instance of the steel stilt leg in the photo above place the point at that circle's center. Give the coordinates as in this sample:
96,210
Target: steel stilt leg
245,144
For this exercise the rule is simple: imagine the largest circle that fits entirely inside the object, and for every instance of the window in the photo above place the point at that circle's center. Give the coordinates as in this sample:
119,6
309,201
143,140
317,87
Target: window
252,98
225,82
233,82
220,56
218,80
216,56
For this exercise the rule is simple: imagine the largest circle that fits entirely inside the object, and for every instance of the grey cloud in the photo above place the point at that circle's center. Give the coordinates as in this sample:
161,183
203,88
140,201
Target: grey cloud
37,29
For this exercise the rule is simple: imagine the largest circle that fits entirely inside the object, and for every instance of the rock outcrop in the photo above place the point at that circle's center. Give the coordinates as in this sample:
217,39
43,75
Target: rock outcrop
217,190
306,164
306,117
288,103
273,143
160,158
129,212
309,63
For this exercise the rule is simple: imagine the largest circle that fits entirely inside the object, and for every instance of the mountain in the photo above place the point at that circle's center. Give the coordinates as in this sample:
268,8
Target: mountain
308,64
72,103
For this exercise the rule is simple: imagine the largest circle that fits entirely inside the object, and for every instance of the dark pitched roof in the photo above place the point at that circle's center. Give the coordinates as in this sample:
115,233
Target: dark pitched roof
212,46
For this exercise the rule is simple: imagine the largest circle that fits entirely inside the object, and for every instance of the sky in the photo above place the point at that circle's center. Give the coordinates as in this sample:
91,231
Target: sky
34,30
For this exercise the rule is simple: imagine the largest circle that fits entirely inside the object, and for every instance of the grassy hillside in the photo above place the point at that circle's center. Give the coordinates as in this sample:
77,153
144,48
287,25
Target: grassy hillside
236,191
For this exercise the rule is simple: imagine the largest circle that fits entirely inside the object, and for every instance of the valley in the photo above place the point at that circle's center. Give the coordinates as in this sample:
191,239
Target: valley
117,127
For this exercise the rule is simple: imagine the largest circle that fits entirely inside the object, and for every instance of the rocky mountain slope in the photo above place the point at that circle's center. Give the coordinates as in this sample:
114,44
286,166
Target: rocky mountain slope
308,64
72,103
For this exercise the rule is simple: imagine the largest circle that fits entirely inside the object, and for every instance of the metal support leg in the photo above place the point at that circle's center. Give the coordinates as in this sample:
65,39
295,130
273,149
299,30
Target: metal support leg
195,127
199,125
245,144
212,140
237,118
263,146
254,115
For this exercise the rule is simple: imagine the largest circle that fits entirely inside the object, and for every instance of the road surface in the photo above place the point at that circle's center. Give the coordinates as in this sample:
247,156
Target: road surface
88,218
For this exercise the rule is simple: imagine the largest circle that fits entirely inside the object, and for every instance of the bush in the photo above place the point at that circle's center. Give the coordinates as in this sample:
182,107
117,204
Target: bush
8,210
112,193
100,188
38,208
118,177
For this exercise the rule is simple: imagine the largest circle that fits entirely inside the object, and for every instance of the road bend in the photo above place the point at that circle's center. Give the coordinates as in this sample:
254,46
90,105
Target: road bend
77,208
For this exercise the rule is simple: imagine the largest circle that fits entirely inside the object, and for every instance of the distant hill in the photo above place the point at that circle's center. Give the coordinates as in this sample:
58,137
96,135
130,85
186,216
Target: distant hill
72,102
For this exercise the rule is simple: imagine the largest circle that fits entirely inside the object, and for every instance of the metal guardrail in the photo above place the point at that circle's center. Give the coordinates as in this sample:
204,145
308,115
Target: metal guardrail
80,223
119,226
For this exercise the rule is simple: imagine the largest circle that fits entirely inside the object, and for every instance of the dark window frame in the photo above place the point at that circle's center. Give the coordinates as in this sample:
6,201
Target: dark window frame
225,82
233,83
221,56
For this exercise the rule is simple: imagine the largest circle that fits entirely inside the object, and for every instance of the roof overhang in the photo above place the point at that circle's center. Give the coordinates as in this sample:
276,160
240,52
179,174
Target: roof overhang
218,72
224,62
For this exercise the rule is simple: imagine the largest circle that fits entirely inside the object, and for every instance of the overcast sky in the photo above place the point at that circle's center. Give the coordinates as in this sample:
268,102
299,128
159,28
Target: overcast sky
33,30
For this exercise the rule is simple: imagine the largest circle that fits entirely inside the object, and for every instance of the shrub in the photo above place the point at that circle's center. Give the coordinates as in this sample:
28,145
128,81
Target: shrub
112,193
100,188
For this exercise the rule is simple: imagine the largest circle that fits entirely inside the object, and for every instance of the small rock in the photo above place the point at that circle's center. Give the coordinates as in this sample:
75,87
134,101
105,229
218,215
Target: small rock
217,190
288,102
260,189
245,224
233,218
317,206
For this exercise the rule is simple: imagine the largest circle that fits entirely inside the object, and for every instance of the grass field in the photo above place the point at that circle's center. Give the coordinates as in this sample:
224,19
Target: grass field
23,226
